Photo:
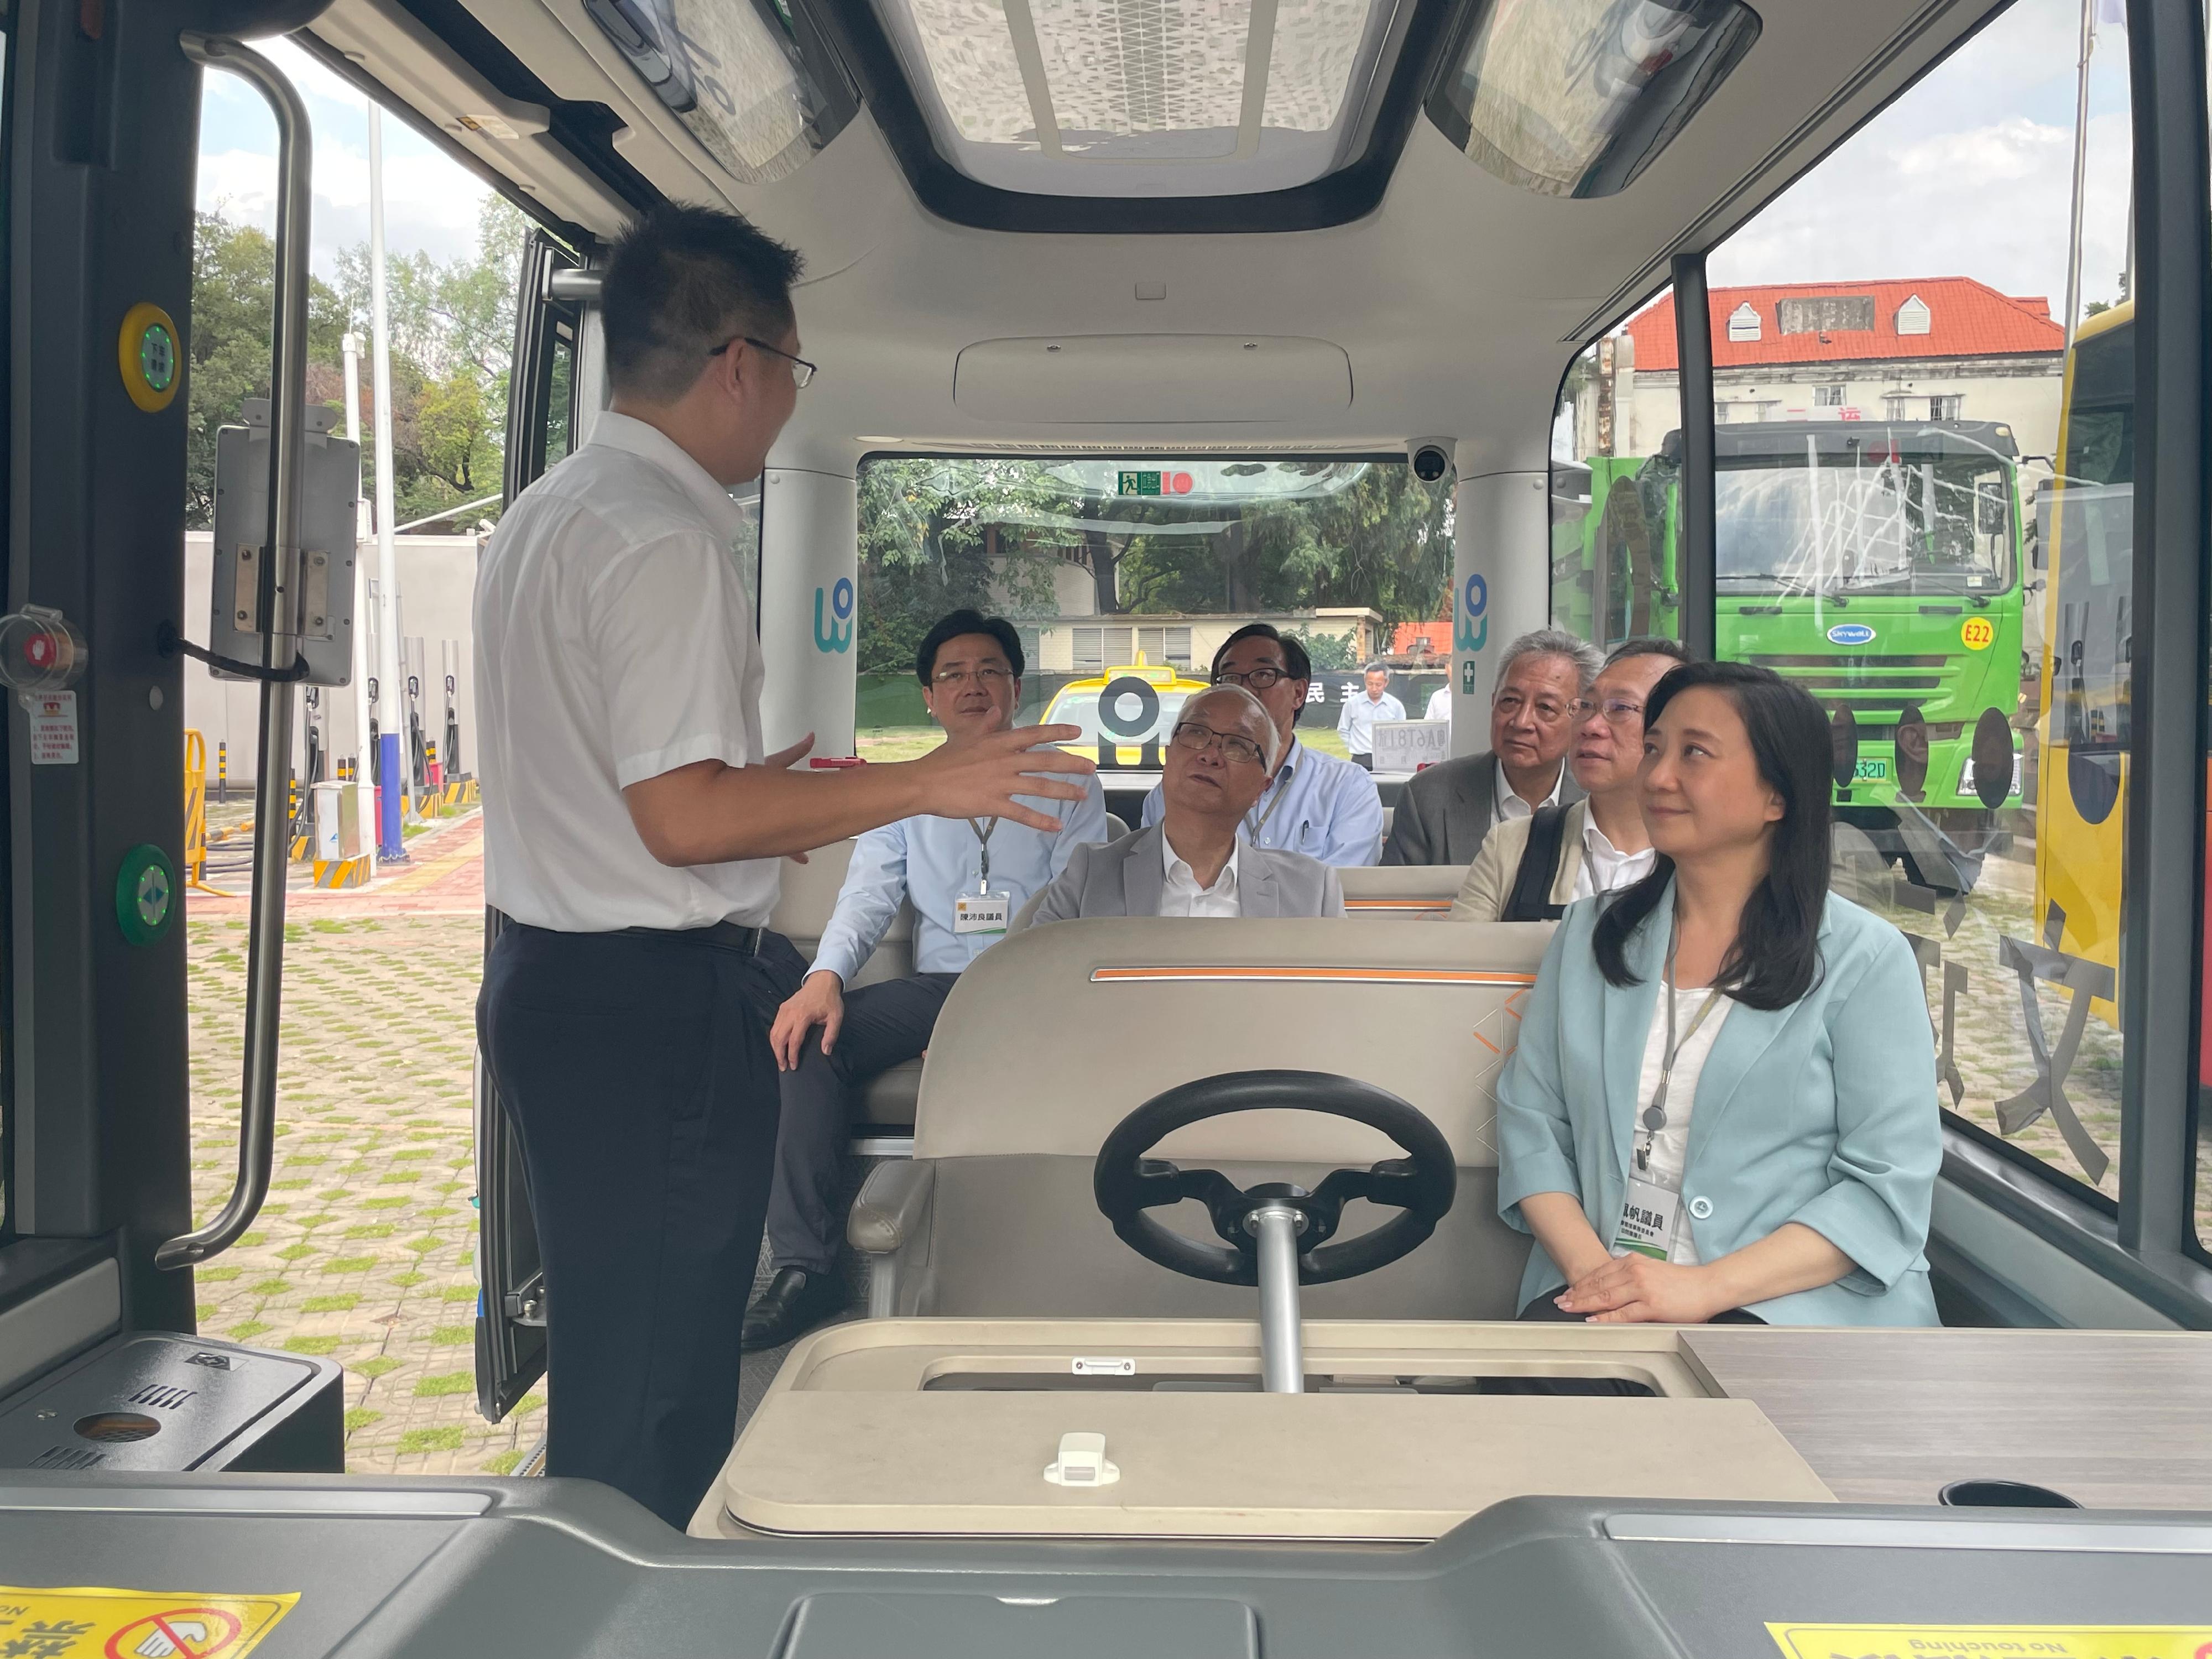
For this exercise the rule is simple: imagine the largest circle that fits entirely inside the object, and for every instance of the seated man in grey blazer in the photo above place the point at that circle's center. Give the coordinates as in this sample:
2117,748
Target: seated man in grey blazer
1447,809
1192,863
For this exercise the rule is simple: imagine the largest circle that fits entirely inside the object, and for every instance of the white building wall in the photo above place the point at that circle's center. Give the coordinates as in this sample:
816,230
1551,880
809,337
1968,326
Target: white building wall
437,587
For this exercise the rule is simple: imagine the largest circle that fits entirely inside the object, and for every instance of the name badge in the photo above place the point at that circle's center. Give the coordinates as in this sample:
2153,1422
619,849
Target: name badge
1647,1220
982,913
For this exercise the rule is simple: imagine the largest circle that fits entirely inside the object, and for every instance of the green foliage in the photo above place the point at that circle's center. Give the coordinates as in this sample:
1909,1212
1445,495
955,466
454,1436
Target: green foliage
452,332
429,1440
996,533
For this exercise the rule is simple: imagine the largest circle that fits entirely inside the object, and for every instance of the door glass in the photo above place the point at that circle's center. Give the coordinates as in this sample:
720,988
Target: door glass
1110,566
1923,517
1616,471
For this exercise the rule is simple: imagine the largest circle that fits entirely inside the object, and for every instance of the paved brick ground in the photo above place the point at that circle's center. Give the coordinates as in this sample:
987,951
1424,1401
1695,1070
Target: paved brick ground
366,1251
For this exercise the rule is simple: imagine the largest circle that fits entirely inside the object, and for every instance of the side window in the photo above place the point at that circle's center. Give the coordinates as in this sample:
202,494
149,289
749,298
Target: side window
1124,575
1923,517
1616,468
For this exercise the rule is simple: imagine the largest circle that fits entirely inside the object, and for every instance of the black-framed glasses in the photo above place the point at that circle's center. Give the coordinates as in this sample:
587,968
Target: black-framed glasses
1255,679
1199,739
802,372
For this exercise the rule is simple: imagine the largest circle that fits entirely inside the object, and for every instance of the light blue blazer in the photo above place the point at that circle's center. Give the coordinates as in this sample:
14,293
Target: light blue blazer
1822,1113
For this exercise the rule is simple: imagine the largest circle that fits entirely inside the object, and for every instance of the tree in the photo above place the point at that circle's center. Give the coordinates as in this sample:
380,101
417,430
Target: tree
453,332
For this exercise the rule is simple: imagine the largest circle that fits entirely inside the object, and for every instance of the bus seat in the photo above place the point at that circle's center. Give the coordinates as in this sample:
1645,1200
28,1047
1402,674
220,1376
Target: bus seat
1051,1038
1401,892
809,895
1116,827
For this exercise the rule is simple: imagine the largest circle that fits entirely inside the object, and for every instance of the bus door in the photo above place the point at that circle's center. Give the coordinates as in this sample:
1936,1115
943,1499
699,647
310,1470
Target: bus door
556,389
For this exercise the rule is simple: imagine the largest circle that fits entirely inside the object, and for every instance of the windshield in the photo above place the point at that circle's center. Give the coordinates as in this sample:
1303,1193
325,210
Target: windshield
1137,719
1893,523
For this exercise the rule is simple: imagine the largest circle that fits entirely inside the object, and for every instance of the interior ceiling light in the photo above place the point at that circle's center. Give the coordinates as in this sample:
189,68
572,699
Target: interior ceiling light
1143,98
749,78
1577,97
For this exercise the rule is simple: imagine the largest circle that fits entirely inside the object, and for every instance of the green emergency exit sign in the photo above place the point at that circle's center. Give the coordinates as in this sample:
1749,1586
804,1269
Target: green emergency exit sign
1138,484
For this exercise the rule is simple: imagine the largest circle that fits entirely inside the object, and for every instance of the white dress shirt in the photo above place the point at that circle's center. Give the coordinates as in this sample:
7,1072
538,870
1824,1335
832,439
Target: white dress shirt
1356,724
1440,701
1509,803
1315,804
614,643
931,861
1605,868
1183,896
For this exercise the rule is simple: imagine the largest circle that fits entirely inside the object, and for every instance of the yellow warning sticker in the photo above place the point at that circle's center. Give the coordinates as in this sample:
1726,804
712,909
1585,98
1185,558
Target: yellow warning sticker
123,1624
1978,633
1993,1641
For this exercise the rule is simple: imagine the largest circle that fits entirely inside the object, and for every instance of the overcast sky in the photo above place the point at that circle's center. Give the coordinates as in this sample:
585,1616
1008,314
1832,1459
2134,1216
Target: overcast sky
1968,174
430,202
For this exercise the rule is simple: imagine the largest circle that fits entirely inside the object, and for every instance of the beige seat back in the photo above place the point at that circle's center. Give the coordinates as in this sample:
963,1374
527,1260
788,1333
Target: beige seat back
1401,892
808,897
1054,1037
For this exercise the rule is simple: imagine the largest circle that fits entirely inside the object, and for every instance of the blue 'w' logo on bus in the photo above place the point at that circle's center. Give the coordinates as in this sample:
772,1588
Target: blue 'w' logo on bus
1850,634
839,636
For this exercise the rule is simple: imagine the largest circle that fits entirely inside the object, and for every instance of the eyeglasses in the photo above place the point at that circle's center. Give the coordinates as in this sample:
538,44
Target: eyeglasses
802,372
990,677
1617,711
1199,739
1544,711
1256,679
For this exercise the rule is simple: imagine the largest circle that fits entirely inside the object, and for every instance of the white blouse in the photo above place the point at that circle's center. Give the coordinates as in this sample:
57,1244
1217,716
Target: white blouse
1670,1145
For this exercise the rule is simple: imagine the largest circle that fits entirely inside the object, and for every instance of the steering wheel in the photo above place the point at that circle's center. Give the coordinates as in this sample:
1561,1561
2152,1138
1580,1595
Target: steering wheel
1127,1183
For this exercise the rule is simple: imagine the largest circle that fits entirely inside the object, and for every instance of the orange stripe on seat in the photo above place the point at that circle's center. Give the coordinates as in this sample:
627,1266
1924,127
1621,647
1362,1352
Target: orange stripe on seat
1316,975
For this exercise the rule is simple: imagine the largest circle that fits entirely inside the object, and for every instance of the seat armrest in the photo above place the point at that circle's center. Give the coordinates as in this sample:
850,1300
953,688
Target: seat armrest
893,1205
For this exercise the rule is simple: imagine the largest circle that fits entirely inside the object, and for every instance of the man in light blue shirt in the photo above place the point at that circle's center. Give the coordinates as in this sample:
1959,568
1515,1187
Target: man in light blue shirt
1315,803
965,879
1356,724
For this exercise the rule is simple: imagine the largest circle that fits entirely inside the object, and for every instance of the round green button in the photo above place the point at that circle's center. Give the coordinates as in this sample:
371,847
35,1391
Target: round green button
145,894
157,357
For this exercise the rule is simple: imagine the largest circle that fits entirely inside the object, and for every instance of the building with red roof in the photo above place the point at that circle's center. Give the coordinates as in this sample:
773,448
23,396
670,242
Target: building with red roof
1919,349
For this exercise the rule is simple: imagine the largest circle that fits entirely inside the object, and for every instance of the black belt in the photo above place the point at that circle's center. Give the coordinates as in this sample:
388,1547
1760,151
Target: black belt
722,936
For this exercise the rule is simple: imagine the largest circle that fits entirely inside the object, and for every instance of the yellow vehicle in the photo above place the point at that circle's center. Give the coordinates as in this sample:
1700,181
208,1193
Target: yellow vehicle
1126,714
2088,549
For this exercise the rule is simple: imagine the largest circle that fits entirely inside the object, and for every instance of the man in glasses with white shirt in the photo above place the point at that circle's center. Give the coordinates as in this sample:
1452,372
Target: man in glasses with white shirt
1195,860
1318,804
965,877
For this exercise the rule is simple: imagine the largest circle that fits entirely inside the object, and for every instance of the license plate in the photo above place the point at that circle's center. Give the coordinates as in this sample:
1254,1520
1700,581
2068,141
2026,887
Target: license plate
1966,776
1868,770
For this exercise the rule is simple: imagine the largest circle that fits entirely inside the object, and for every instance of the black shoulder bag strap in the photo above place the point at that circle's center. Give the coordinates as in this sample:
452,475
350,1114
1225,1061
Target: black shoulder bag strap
1531,898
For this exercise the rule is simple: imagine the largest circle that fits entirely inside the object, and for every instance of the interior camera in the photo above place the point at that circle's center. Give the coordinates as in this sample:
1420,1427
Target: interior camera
1432,457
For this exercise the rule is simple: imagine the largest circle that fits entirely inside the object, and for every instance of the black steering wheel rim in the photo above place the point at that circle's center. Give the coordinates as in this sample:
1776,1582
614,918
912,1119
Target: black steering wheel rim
1420,1186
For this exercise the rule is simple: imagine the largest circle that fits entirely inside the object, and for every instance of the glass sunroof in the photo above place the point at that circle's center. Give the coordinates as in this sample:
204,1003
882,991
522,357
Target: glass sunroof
1142,98
1577,97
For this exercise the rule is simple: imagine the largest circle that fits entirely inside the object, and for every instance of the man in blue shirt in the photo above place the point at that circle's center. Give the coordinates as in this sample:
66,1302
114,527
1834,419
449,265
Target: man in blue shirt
965,879
1315,803
1356,724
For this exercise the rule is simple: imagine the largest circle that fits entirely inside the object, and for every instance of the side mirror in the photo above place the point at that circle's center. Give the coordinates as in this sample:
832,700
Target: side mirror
1844,739
2039,532
1911,753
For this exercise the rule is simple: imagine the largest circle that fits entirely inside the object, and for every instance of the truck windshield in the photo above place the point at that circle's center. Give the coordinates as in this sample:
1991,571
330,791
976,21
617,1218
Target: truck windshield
1883,520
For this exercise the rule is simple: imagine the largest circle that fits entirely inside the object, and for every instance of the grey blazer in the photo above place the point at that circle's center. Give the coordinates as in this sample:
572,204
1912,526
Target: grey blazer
1445,812
1126,877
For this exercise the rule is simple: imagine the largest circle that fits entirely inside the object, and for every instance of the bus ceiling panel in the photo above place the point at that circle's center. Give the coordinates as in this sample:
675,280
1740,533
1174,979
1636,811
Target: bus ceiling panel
507,137
1152,379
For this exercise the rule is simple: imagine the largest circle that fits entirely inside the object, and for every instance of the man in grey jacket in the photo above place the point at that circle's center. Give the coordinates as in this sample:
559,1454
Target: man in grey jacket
1447,810
1191,862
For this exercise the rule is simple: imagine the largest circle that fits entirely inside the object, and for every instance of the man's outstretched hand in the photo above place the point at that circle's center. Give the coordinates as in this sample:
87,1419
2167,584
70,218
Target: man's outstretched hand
980,779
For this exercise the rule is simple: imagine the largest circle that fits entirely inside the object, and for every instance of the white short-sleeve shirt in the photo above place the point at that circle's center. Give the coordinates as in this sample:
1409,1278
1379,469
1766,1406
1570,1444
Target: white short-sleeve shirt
614,643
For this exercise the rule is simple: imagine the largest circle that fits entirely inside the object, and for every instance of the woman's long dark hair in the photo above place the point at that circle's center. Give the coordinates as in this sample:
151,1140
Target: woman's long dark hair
1776,955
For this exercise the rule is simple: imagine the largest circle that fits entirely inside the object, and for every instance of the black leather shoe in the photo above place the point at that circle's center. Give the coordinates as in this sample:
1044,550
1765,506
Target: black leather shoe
794,1303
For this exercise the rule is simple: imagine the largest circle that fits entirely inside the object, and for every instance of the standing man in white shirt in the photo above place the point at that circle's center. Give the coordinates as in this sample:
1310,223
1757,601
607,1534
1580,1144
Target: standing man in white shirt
1440,704
1356,724
633,820
1530,869
1314,803
1195,861
965,879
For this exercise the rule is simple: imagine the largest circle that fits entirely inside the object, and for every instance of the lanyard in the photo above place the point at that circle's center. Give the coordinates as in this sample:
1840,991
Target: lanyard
1654,1117
983,857
1282,788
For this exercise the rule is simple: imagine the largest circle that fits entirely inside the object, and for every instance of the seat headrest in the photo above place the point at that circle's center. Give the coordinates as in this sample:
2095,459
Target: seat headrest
1053,1036
1382,892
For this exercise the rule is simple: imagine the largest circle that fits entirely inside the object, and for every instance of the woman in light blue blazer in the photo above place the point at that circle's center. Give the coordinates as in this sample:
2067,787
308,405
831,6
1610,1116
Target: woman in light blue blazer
1769,1152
